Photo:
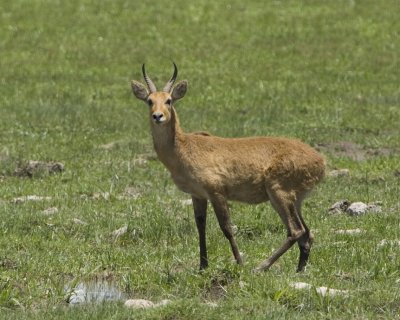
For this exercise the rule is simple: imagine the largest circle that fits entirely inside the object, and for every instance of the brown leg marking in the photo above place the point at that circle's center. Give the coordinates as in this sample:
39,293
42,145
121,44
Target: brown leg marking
200,214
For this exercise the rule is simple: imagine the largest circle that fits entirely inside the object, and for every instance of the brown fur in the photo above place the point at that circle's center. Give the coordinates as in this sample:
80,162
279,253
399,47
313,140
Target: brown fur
251,170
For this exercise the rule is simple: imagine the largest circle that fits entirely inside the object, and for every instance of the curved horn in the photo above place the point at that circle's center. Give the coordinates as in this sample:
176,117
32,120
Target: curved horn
171,81
150,83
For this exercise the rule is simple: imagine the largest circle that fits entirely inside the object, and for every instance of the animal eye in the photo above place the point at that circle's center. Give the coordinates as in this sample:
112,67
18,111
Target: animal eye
150,102
168,102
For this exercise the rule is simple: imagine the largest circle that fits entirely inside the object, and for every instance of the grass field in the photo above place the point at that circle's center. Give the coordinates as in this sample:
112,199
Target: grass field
326,72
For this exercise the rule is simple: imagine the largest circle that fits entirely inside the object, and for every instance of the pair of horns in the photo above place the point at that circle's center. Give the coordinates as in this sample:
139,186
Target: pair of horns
167,87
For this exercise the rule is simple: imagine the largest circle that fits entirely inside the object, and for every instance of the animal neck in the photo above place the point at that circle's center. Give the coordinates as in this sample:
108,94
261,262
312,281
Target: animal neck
167,139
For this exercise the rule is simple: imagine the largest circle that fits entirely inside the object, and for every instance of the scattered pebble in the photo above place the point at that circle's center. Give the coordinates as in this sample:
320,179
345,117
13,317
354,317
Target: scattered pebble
144,304
119,232
96,196
339,173
355,208
140,160
359,208
50,211
339,207
79,221
186,202
100,195
129,193
138,304
301,285
23,199
392,243
323,291
350,231
38,167
235,228
109,146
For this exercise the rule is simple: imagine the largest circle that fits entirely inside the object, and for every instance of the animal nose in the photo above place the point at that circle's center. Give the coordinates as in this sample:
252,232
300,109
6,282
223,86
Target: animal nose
157,116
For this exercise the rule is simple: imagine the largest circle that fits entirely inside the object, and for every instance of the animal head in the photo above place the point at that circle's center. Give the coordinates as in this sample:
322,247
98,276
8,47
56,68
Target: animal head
159,102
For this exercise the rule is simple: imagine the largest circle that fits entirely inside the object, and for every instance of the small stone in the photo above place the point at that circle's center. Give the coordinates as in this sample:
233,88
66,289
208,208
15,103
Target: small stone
325,291
33,168
300,285
357,209
50,211
79,221
109,146
131,193
235,228
187,202
374,208
138,304
101,195
350,231
339,173
391,243
29,198
119,232
339,207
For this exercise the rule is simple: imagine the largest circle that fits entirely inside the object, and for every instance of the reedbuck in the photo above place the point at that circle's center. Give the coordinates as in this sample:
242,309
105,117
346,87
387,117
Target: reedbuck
250,170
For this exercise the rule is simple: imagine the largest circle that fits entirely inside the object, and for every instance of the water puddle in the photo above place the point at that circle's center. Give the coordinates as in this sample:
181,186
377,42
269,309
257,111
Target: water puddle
93,292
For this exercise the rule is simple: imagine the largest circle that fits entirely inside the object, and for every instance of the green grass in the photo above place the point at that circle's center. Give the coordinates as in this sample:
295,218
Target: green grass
321,71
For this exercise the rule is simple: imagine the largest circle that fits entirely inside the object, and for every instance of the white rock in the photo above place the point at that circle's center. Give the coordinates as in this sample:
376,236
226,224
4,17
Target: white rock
29,198
357,208
138,304
339,173
186,202
350,231
385,242
323,291
119,232
50,211
101,195
339,207
235,228
300,285
79,221
374,207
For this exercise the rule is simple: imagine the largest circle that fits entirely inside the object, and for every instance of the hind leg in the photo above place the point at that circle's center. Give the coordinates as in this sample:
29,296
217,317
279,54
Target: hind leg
284,203
304,242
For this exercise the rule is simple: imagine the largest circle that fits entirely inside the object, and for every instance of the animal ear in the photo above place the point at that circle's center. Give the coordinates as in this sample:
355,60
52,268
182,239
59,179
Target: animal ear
179,90
139,90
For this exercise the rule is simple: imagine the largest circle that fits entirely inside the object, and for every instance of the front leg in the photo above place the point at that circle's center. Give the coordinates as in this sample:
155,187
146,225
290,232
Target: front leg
200,214
222,212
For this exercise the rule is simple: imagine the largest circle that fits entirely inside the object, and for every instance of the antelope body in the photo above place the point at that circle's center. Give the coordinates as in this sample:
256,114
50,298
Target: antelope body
250,170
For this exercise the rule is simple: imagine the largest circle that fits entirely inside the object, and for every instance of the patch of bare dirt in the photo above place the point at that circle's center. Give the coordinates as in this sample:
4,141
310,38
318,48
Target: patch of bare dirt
353,150
38,168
